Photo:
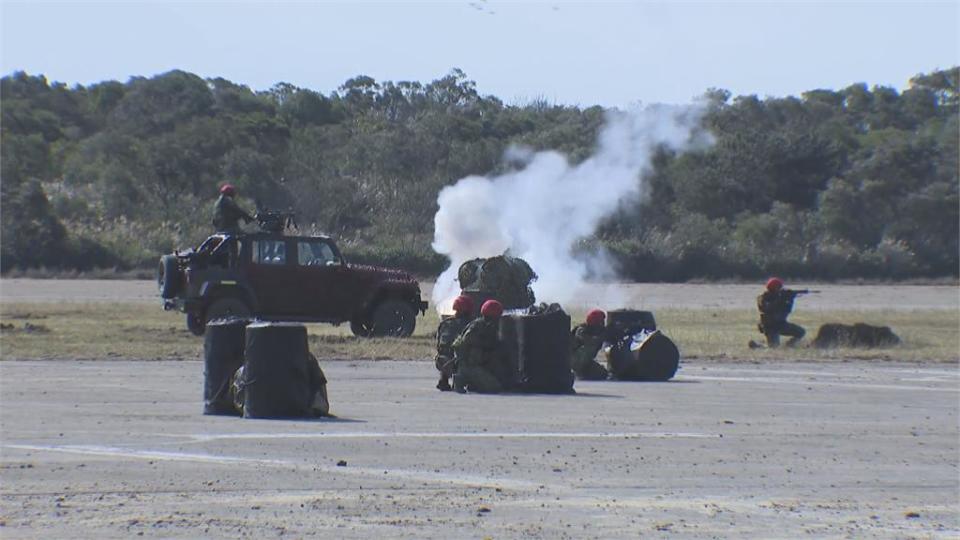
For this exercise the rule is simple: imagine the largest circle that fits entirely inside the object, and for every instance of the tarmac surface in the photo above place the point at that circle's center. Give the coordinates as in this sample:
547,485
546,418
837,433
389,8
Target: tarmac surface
120,449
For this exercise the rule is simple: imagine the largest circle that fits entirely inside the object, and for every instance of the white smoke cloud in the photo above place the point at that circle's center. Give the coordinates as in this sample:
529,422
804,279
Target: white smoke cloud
541,210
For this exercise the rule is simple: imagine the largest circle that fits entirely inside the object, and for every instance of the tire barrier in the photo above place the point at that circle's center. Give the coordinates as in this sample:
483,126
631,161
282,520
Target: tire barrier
645,356
540,342
280,378
223,347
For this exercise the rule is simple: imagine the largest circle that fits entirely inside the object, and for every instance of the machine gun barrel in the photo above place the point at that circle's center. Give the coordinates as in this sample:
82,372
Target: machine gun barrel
276,221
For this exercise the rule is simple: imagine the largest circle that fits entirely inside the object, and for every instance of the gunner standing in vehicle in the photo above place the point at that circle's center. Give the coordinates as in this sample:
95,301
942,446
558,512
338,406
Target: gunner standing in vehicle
227,214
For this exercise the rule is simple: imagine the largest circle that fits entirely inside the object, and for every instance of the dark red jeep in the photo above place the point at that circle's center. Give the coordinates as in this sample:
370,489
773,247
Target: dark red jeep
276,277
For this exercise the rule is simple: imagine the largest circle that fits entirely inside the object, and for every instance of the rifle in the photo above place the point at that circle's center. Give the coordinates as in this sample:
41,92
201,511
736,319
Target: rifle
799,292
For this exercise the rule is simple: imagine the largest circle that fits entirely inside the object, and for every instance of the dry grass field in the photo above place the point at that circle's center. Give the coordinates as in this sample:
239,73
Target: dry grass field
144,332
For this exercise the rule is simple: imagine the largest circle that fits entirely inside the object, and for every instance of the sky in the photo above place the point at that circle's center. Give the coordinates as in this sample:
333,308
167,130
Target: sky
571,53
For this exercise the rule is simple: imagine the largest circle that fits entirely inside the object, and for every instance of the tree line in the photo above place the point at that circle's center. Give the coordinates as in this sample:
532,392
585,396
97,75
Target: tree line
860,182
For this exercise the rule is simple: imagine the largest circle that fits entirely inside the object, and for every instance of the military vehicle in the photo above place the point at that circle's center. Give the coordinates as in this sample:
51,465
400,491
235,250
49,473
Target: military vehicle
503,278
272,276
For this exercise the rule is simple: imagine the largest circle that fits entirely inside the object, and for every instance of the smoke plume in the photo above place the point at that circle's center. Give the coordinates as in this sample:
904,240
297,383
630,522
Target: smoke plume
539,211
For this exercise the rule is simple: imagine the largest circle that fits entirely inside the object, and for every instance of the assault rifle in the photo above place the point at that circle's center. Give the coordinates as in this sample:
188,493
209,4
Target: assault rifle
799,292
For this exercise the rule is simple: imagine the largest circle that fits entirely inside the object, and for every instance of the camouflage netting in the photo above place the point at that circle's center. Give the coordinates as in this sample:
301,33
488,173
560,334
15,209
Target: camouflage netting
504,278
855,335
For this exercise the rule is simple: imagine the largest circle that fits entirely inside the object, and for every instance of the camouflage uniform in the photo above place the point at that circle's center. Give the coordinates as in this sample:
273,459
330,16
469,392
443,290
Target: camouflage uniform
477,352
774,308
227,215
448,331
586,341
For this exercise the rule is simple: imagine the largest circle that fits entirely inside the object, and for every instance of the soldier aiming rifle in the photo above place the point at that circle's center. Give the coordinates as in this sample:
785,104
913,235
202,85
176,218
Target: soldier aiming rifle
775,305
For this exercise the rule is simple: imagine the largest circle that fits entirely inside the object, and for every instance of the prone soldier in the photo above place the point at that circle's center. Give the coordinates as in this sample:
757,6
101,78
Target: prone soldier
448,331
586,340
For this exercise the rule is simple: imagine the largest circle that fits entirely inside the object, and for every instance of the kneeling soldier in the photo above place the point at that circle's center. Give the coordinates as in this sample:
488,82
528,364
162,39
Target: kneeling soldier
448,331
478,352
586,340
775,305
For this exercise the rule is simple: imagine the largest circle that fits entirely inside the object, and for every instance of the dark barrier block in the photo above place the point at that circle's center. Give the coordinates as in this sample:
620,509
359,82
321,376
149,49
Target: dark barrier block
222,354
654,357
510,351
542,350
277,379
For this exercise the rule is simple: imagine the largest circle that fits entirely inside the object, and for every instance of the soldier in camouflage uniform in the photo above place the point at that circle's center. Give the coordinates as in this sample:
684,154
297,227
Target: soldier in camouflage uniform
775,304
586,340
449,330
226,213
478,352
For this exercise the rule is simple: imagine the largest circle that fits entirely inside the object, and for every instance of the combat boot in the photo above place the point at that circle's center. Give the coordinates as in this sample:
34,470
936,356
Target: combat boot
458,385
444,385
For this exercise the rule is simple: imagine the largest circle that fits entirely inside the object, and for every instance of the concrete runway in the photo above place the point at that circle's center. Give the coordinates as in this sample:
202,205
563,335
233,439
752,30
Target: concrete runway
117,449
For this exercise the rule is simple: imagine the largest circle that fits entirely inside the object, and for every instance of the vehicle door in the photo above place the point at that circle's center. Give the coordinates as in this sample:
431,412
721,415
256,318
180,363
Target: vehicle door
321,275
271,274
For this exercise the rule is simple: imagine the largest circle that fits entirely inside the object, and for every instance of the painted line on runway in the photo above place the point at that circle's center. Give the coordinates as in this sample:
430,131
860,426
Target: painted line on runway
452,435
380,473
947,376
870,386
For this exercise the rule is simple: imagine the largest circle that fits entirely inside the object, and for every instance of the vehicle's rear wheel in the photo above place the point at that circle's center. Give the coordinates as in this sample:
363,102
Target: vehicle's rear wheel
360,328
222,308
168,276
393,318
195,324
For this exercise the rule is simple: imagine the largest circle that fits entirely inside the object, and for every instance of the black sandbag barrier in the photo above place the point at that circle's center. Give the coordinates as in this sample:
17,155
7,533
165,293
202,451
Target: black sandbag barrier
277,379
645,356
543,351
509,375
223,345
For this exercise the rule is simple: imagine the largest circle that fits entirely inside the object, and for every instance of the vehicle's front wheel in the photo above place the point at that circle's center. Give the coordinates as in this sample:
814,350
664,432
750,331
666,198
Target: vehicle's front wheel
393,318
222,308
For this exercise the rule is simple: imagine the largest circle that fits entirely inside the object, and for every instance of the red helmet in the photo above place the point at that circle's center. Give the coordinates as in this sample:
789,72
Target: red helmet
774,284
463,305
228,190
596,317
491,308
